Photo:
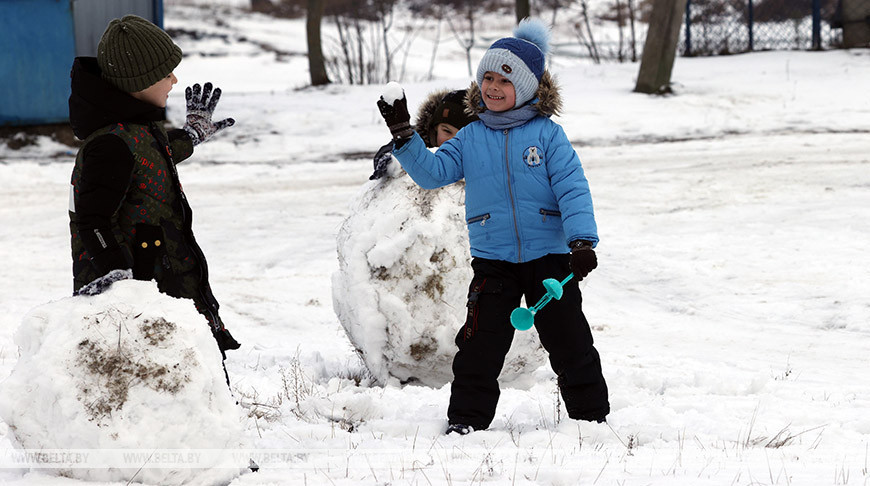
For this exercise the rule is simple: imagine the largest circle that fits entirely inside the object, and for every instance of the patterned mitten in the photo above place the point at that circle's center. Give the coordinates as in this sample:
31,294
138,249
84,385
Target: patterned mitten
200,107
99,285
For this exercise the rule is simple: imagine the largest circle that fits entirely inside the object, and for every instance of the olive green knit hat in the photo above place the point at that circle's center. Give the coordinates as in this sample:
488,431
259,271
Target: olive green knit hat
134,54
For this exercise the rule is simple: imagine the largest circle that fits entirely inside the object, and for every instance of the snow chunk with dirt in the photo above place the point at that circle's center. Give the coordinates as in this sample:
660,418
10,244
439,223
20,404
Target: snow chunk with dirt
129,369
402,284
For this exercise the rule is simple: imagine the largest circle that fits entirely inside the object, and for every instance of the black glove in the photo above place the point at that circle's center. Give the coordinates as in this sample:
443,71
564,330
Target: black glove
200,107
99,285
397,117
225,340
381,160
583,259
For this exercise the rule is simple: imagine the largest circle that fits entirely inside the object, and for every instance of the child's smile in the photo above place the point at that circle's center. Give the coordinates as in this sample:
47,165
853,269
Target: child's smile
498,92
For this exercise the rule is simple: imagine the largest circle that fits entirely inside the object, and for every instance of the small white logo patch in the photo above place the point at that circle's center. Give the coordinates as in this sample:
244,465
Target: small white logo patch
72,198
532,156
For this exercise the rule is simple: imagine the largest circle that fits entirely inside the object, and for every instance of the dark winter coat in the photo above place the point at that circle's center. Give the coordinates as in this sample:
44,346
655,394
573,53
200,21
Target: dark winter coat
526,195
127,208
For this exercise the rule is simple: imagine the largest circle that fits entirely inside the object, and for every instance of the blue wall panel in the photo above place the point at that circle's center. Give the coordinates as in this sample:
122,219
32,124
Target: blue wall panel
36,53
38,42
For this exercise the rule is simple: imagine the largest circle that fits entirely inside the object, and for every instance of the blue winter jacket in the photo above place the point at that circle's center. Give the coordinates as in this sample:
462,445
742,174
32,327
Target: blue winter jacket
525,195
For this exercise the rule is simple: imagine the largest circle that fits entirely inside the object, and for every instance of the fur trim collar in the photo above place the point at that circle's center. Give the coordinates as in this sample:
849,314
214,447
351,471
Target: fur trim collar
549,100
426,113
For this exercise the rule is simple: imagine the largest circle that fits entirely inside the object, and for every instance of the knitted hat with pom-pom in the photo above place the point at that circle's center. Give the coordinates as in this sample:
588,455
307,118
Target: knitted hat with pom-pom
521,58
133,54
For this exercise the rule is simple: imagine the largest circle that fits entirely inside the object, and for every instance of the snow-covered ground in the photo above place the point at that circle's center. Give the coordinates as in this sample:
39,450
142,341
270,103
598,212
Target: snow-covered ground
730,304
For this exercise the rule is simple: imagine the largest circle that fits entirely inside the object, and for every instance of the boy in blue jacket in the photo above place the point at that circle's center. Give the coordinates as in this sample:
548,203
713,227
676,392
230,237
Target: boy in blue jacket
529,214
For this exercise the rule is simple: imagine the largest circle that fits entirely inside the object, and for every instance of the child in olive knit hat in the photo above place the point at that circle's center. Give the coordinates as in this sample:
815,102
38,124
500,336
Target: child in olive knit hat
129,217
133,54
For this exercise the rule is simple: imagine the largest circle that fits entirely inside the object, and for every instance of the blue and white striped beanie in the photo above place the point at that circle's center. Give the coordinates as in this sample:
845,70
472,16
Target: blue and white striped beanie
521,58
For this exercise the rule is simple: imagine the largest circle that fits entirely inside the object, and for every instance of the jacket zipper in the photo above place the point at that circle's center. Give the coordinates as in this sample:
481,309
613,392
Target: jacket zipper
511,196
216,323
482,219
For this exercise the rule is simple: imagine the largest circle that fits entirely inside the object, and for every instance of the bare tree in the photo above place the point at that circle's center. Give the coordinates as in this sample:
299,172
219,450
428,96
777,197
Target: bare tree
344,44
366,49
435,48
618,12
632,15
580,27
522,9
386,21
554,6
620,23
316,62
466,42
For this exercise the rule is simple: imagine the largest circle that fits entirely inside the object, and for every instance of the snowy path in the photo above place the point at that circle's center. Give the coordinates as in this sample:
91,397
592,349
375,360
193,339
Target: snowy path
729,306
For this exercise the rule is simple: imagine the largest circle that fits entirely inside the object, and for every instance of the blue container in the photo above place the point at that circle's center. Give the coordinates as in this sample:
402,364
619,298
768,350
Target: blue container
39,40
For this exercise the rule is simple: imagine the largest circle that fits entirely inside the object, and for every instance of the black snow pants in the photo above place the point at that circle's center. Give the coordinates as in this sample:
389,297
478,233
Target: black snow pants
486,337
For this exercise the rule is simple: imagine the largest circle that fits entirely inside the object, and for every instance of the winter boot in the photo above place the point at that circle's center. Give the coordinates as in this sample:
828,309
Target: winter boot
460,429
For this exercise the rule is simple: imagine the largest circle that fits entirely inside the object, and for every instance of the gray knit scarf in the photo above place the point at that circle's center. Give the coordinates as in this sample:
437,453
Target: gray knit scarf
502,120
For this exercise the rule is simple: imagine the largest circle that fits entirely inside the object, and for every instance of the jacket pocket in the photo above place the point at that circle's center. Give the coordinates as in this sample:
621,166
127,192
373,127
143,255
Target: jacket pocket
550,212
149,247
477,228
478,219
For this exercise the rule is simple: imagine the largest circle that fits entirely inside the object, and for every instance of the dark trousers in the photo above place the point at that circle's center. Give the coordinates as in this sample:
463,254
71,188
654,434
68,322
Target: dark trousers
486,337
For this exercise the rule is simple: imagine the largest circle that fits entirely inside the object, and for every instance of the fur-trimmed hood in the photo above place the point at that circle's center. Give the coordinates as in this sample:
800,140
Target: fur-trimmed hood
423,122
428,116
549,101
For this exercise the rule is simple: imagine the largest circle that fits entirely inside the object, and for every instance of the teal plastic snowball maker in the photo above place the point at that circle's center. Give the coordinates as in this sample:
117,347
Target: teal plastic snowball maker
523,319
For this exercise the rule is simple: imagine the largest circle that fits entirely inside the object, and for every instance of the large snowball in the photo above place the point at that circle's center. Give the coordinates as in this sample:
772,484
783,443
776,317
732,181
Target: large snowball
130,369
402,284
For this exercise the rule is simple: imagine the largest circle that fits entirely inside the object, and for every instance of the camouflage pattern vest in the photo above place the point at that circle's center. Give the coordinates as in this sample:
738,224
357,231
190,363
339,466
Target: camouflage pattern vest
153,223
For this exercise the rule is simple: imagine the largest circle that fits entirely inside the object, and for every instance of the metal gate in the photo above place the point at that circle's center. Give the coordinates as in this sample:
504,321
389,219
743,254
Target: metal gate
714,27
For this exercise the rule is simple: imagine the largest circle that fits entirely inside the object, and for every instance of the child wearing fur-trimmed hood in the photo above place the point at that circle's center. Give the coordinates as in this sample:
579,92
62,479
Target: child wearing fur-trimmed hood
530,217
441,115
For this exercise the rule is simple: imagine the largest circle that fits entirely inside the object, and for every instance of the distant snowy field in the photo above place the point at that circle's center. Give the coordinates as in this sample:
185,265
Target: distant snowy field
730,304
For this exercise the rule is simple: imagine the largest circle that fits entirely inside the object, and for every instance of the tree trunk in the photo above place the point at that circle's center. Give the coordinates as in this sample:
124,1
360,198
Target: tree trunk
593,49
435,49
386,25
316,63
620,23
522,9
344,38
856,23
660,47
360,54
631,17
470,44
